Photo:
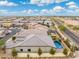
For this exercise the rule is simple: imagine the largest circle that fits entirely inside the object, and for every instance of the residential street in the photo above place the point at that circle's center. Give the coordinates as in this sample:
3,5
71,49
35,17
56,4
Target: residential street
14,31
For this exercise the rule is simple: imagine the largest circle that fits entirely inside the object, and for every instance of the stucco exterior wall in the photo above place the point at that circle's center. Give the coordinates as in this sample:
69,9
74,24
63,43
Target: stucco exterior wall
33,49
8,51
25,50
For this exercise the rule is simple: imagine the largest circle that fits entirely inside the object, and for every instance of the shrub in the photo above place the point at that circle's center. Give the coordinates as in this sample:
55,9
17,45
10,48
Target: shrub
65,52
39,51
14,52
52,51
2,42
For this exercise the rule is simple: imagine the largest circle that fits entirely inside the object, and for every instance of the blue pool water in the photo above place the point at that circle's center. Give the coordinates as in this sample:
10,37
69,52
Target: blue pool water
58,44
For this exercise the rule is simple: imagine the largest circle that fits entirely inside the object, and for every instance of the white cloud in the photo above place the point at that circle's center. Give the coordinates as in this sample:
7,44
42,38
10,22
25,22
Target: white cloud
3,11
8,12
24,11
58,1
71,5
30,11
36,12
46,1
41,1
58,9
77,10
6,3
70,11
44,11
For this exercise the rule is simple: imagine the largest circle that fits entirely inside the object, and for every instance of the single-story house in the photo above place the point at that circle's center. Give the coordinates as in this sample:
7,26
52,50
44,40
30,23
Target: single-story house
29,41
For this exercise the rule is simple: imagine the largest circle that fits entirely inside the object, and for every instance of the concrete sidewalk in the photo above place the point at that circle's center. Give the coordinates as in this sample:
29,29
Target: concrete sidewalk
43,55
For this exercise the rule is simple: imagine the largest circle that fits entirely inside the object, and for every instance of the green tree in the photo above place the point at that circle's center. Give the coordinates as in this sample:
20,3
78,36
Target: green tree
39,51
2,42
52,51
14,52
62,28
65,52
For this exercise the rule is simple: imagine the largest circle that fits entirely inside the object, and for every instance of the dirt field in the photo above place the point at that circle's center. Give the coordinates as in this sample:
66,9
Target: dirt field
72,22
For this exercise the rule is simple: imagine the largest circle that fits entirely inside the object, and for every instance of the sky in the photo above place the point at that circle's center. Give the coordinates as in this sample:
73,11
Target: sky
39,8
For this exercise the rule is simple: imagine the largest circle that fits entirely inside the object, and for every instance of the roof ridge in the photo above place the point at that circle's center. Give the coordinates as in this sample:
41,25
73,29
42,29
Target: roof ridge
44,42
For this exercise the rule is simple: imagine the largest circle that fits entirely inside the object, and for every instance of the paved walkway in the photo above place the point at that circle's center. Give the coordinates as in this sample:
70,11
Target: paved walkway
43,55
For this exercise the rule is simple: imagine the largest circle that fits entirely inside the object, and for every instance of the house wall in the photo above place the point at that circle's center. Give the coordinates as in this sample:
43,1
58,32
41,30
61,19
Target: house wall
33,49
8,51
25,49
50,23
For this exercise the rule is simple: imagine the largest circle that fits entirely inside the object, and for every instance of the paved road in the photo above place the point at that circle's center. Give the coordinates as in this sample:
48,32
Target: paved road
70,34
14,31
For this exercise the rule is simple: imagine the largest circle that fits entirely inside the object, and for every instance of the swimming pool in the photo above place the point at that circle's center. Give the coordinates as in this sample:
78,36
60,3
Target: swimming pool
58,44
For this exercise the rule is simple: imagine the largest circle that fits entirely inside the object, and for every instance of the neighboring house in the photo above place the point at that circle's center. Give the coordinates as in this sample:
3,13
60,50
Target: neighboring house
48,22
7,23
2,34
30,41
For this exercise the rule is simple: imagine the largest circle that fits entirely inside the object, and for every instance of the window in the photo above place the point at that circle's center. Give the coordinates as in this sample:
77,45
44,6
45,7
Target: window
29,50
21,49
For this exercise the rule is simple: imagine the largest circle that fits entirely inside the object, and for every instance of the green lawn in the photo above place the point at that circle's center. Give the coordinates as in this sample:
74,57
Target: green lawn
2,42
